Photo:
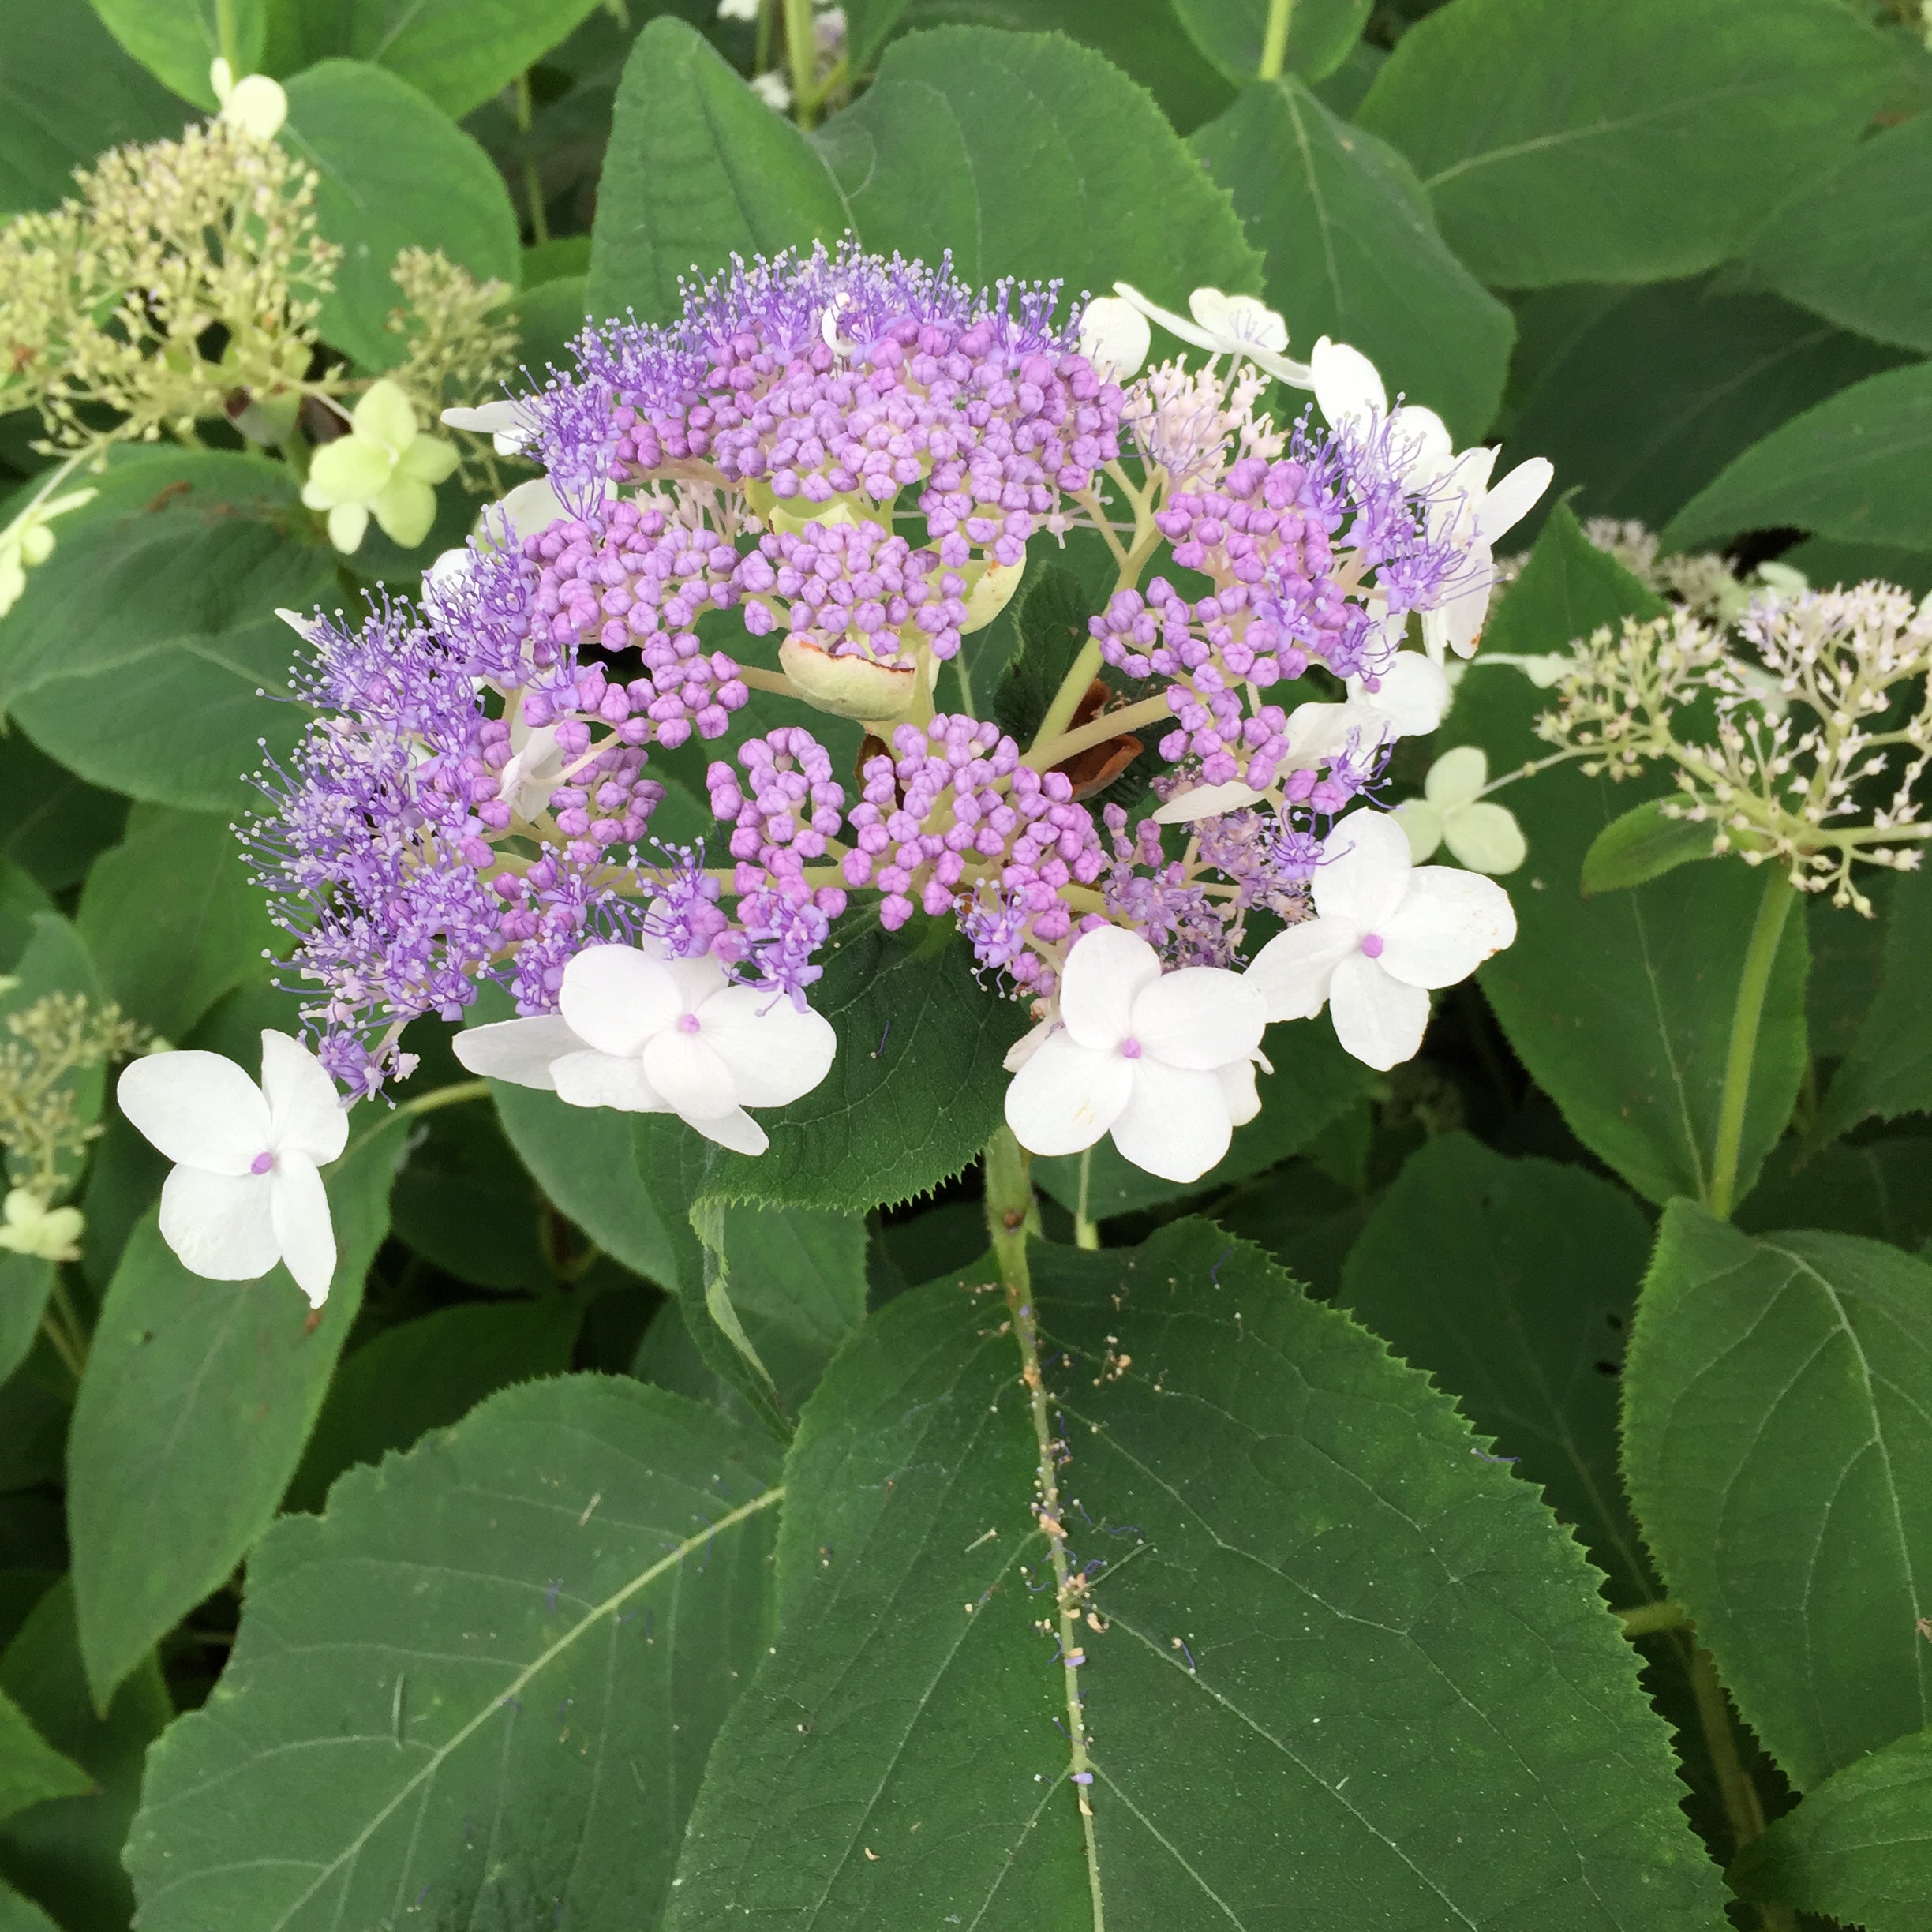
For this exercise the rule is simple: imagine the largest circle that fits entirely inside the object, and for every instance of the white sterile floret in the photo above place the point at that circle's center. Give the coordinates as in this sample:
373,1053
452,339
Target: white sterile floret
29,1226
255,103
1349,392
1384,933
246,1190
1163,1062
385,467
1114,337
1236,325
649,1034
1452,812
510,425
1411,696
1207,801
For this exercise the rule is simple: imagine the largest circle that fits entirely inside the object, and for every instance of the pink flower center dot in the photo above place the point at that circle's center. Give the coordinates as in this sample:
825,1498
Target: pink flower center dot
261,1164
687,1023
1371,945
1130,1048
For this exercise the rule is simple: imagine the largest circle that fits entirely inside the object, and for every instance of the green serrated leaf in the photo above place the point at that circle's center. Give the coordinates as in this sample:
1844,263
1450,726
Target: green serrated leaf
1306,1680
1621,141
483,1683
176,40
1888,1070
31,1770
1004,148
1353,251
1644,843
198,1397
1855,468
396,174
1859,1848
1777,1447
1511,1283
698,168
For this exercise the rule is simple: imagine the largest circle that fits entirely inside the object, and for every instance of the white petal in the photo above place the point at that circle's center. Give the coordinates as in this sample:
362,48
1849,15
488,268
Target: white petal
1347,387
1176,1124
1414,693
1067,1096
531,508
615,998
1460,619
698,980
305,1113
257,105
599,1079
691,1074
1237,1091
1199,1017
220,1224
1208,801
1291,972
221,78
1456,777
1450,923
1485,837
508,423
298,1207
1420,441
520,1051
1515,497
1422,825
199,1109
1173,324
1104,971
736,1130
1114,336
1377,1019
1363,871
774,1052
1315,731
1243,319
1029,1044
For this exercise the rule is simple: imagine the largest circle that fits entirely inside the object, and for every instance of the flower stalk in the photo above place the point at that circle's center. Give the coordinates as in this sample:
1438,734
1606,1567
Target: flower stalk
1760,957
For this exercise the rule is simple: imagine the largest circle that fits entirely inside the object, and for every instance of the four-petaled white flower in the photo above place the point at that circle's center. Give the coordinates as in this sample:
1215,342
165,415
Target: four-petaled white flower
1452,812
246,1190
254,103
1384,934
29,1226
649,1034
1236,325
1163,1062
1114,337
385,467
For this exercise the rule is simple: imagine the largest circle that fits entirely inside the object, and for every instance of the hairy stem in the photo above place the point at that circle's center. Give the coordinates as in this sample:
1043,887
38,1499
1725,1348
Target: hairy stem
1275,39
1759,956
1011,1215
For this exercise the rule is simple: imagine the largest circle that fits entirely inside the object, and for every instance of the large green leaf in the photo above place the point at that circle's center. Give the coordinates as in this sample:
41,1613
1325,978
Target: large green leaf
1340,1672
1857,467
1859,1848
144,653
1312,1083
699,168
198,1397
1512,1281
1027,156
1620,1006
31,1770
172,919
1620,141
1888,1070
55,825
396,174
427,1374
1855,245
25,1283
458,52
1640,396
65,1855
479,1690
1880,1189
18,1914
66,94
176,40
1231,33
1353,251
1777,1444
464,1202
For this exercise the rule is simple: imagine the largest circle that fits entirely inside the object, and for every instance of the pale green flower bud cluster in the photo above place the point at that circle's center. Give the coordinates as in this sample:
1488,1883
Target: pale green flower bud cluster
40,1126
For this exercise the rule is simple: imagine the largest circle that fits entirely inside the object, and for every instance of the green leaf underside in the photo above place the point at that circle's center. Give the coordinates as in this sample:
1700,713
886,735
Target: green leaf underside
1620,1006
139,653
482,1688
1313,1083
1641,845
421,182
1511,1283
1339,1649
699,167
198,1399
1353,252
1620,141
1859,1848
1857,467
1778,1451
1888,1069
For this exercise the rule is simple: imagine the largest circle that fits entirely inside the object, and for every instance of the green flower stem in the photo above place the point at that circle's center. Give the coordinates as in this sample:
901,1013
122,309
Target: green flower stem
1759,956
225,32
452,1095
1012,1215
1086,1231
802,55
533,175
1647,1620
1050,750
1275,40
1743,1811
